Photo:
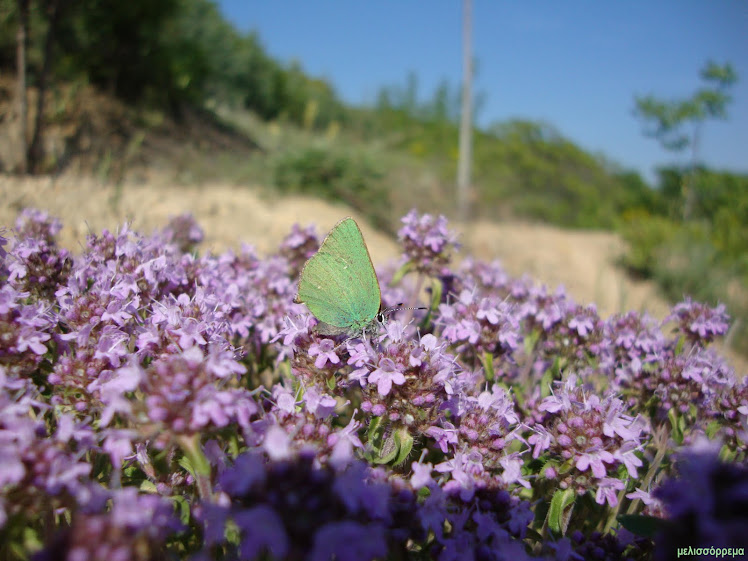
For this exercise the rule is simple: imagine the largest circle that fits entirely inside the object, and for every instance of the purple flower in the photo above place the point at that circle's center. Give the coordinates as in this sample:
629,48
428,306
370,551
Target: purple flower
645,497
182,394
123,364
318,404
25,332
596,460
386,374
262,531
421,475
348,540
325,352
631,343
540,440
137,527
584,322
36,223
607,491
512,465
705,503
445,437
277,443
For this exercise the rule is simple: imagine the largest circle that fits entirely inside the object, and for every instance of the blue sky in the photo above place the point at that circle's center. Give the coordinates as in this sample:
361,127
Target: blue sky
575,64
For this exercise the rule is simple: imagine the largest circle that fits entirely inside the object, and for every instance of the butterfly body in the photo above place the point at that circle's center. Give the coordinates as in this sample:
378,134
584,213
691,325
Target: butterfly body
339,284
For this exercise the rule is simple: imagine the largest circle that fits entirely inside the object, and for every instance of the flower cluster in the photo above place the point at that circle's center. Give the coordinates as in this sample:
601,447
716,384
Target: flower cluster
136,528
184,232
25,328
405,380
427,243
480,326
565,333
35,264
298,247
585,439
707,505
42,466
156,402
699,323
634,348
290,509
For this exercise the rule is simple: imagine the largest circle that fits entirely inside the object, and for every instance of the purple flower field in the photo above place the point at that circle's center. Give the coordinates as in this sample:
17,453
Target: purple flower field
160,403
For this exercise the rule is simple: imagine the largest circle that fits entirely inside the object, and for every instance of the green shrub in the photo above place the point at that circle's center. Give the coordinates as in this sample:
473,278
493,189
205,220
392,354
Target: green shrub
690,259
687,264
646,236
337,175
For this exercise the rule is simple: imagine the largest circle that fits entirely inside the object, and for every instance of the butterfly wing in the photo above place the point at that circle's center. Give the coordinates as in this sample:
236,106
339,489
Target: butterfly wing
338,284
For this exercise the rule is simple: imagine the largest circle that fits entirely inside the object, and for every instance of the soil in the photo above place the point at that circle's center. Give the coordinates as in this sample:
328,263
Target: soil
584,262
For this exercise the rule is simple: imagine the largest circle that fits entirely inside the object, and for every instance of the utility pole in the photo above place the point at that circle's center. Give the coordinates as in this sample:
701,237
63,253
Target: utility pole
21,43
465,157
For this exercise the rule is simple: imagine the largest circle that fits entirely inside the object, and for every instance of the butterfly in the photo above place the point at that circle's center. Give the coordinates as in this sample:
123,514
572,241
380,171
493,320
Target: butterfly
339,284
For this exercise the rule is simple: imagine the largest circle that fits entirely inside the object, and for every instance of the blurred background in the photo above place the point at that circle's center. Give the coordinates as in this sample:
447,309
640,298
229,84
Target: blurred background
604,145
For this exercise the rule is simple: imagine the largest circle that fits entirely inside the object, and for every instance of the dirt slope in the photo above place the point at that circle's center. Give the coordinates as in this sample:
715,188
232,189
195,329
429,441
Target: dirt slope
584,262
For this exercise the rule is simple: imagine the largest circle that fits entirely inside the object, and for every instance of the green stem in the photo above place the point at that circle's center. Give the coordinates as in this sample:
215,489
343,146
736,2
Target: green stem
190,445
660,438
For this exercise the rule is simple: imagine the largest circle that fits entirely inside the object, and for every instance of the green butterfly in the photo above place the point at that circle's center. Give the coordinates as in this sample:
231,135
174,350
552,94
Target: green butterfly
339,284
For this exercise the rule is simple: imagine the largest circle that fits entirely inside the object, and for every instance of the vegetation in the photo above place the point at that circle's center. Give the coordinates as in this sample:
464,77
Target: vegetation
695,239
158,402
705,256
165,60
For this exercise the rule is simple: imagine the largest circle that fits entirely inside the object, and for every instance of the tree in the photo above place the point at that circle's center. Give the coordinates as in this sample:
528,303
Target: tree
35,153
667,121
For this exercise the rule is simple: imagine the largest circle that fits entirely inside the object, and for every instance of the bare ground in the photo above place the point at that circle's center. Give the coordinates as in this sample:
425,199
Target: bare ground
583,261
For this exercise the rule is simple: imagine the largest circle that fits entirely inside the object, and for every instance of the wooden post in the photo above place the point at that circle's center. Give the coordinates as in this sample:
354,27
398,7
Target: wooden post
21,41
465,157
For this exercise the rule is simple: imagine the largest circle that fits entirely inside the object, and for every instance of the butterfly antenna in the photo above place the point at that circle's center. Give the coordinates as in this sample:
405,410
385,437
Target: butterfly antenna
401,306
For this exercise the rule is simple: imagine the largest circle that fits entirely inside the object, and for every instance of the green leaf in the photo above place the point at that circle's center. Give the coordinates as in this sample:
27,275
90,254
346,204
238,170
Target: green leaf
197,464
727,455
374,439
677,425
400,273
679,346
147,486
185,463
562,505
487,360
645,526
712,429
404,442
31,541
373,433
566,467
389,450
530,341
183,506
546,383
437,288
